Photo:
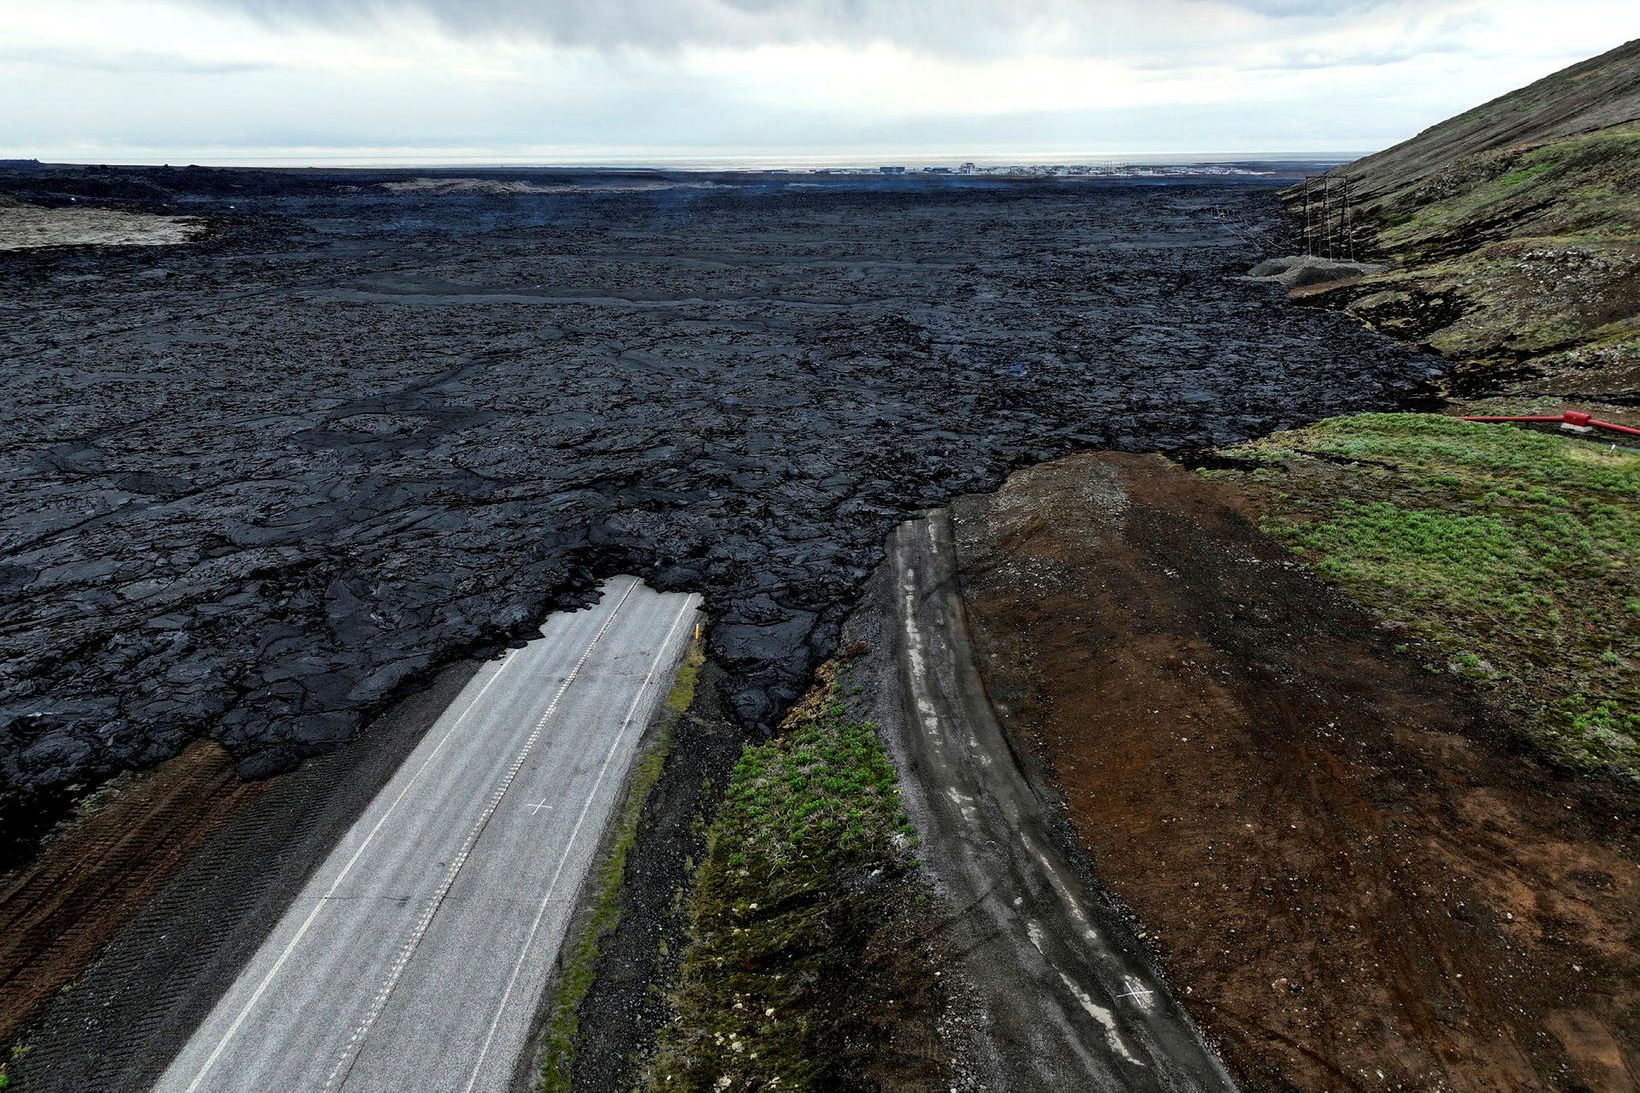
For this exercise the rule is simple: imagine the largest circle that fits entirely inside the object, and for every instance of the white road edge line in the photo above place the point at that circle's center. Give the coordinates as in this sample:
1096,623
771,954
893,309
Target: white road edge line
546,900
279,964
350,1050
307,923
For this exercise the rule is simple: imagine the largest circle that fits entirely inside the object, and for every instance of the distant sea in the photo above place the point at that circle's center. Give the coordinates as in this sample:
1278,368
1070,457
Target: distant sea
659,161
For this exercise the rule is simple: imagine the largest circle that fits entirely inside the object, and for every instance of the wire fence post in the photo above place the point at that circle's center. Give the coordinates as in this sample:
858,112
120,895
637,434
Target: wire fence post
1326,214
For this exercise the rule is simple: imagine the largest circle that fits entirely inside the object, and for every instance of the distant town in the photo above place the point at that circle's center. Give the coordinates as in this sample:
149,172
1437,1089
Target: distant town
1065,170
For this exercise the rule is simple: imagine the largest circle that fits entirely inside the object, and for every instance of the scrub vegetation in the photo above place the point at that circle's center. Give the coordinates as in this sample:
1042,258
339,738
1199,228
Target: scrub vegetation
795,912
1526,253
1511,554
1579,190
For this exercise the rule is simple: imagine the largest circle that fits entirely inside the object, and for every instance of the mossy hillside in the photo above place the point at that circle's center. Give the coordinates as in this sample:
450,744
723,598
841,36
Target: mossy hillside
1510,301
1513,553
1580,190
806,858
1512,254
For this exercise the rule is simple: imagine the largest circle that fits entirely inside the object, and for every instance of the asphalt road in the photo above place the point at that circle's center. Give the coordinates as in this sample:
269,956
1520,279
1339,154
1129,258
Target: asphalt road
1071,1000
416,954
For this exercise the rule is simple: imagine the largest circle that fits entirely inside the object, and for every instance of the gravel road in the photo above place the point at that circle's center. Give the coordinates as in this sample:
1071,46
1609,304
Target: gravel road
1068,999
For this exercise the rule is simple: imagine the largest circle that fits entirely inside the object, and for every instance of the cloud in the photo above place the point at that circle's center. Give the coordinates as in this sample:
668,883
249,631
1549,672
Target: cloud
130,61
554,80
955,28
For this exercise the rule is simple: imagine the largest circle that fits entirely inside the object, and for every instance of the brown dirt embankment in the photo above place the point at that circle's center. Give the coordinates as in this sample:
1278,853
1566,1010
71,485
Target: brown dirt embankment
150,907
58,912
1351,882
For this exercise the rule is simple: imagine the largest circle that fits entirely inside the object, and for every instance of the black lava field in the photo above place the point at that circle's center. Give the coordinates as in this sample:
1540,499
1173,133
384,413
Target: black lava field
256,487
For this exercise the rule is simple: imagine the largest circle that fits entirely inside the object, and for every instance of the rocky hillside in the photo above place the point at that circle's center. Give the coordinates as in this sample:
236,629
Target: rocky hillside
1512,237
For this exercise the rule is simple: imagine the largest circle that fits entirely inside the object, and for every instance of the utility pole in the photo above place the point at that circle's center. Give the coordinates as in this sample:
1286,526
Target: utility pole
1333,230
1338,226
1343,217
1307,214
1349,223
1326,214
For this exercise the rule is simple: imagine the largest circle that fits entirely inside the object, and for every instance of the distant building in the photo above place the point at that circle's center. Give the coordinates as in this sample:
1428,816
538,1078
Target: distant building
967,168
892,170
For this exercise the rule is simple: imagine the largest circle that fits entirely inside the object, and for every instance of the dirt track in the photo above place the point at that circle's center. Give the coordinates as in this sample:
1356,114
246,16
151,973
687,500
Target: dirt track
1348,880
1071,1000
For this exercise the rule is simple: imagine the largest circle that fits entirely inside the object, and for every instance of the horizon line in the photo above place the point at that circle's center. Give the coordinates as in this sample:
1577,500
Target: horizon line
606,160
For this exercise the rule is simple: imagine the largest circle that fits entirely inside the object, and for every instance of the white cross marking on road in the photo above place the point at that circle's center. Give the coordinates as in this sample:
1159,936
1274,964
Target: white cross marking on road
1140,993
538,806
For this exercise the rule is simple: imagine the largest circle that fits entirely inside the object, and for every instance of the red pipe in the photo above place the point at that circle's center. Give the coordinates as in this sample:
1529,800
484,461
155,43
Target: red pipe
1570,417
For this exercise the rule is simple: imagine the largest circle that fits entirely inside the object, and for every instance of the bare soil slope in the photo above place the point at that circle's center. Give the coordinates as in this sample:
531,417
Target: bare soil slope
1351,884
56,914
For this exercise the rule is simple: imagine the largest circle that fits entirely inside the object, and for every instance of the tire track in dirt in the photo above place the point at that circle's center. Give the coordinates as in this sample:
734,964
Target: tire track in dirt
1070,1000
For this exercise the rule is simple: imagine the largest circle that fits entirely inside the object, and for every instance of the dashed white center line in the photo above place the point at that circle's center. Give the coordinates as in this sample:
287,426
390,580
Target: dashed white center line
349,1051
307,923
552,887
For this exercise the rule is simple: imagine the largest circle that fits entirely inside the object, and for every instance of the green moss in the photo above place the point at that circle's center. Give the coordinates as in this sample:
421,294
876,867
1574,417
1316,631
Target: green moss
1512,253
1512,552
18,1050
683,688
1584,185
780,904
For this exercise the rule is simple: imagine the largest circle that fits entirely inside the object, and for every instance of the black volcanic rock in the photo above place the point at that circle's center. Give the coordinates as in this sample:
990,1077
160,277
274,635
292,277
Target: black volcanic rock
257,496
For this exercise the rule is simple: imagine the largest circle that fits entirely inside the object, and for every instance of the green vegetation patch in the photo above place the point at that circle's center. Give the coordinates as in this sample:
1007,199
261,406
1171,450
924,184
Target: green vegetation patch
683,688
1585,187
808,862
580,966
1512,253
18,1050
1512,553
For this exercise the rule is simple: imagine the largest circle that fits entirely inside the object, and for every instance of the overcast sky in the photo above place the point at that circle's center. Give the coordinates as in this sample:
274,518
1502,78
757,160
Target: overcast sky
224,81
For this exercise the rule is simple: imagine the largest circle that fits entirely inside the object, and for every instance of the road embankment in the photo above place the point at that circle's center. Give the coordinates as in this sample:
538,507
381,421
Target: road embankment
1347,874
811,962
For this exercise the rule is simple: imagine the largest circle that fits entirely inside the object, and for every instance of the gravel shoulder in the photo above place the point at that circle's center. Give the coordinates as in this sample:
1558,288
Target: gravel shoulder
163,968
